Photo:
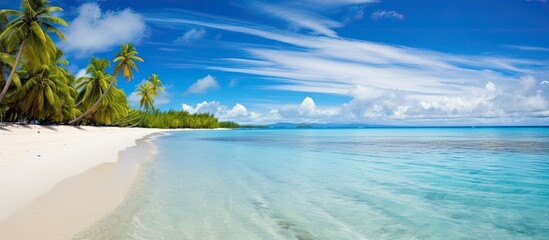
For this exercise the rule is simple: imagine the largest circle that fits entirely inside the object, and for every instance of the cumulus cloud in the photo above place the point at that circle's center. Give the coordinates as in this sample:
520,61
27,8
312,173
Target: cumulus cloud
191,35
203,85
96,31
238,112
379,14
306,111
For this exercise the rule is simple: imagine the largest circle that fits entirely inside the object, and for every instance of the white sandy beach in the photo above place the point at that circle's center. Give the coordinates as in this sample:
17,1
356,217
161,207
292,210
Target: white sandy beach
51,174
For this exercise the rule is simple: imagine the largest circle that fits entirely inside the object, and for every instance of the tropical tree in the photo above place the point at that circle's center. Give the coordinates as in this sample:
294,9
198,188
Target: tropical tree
6,63
28,31
156,85
92,86
113,106
46,94
145,90
125,60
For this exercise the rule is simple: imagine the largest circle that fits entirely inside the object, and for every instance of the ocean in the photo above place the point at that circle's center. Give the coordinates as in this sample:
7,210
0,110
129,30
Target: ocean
381,183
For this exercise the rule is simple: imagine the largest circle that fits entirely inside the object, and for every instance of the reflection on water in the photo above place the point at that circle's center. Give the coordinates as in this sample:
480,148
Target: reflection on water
340,184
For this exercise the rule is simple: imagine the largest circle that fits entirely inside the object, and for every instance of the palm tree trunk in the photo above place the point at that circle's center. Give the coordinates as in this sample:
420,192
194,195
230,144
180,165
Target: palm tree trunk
8,82
125,121
78,104
140,120
79,118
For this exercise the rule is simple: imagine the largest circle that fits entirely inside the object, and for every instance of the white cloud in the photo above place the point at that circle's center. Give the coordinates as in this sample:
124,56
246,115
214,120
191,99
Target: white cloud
233,83
529,48
191,35
237,113
379,14
203,85
133,99
387,83
303,19
96,31
331,3
81,73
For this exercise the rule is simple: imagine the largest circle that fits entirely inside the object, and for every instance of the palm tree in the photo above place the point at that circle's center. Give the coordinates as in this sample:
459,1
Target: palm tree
113,106
156,85
146,92
92,87
6,61
28,31
126,64
46,95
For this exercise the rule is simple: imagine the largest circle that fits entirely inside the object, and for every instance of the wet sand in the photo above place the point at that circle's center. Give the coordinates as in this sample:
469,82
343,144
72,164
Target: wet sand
57,181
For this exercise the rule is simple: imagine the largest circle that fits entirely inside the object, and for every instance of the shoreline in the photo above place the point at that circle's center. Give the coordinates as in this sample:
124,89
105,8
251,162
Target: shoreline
54,196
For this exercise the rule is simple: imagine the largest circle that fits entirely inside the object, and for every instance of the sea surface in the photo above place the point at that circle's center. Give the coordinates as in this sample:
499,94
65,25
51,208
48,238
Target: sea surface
386,183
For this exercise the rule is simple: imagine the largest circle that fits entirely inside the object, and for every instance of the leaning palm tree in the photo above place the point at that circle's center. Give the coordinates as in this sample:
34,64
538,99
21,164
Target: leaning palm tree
126,64
7,60
28,31
113,107
93,85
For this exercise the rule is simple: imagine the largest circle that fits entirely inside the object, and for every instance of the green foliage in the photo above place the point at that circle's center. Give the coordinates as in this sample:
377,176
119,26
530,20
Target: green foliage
113,107
179,119
146,92
29,28
254,126
125,61
228,125
45,95
45,92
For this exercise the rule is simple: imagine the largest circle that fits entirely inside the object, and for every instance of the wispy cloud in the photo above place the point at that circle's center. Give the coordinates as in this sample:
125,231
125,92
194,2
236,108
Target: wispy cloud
303,19
380,14
331,3
529,48
203,85
191,35
386,82
95,31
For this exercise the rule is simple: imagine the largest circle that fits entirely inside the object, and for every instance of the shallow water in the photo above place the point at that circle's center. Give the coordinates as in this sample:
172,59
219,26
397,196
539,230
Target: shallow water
411,183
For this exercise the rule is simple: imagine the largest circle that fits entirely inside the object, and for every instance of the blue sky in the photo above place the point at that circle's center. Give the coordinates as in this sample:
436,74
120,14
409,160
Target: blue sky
425,62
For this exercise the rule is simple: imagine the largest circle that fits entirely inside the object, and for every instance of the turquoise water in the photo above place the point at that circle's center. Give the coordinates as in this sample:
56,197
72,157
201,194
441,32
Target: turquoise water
411,183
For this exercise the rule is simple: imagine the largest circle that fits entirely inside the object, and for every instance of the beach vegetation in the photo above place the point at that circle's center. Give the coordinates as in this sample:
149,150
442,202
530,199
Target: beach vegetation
125,64
179,119
36,86
28,31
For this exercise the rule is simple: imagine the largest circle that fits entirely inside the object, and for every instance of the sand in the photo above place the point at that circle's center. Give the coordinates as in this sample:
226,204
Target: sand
56,181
